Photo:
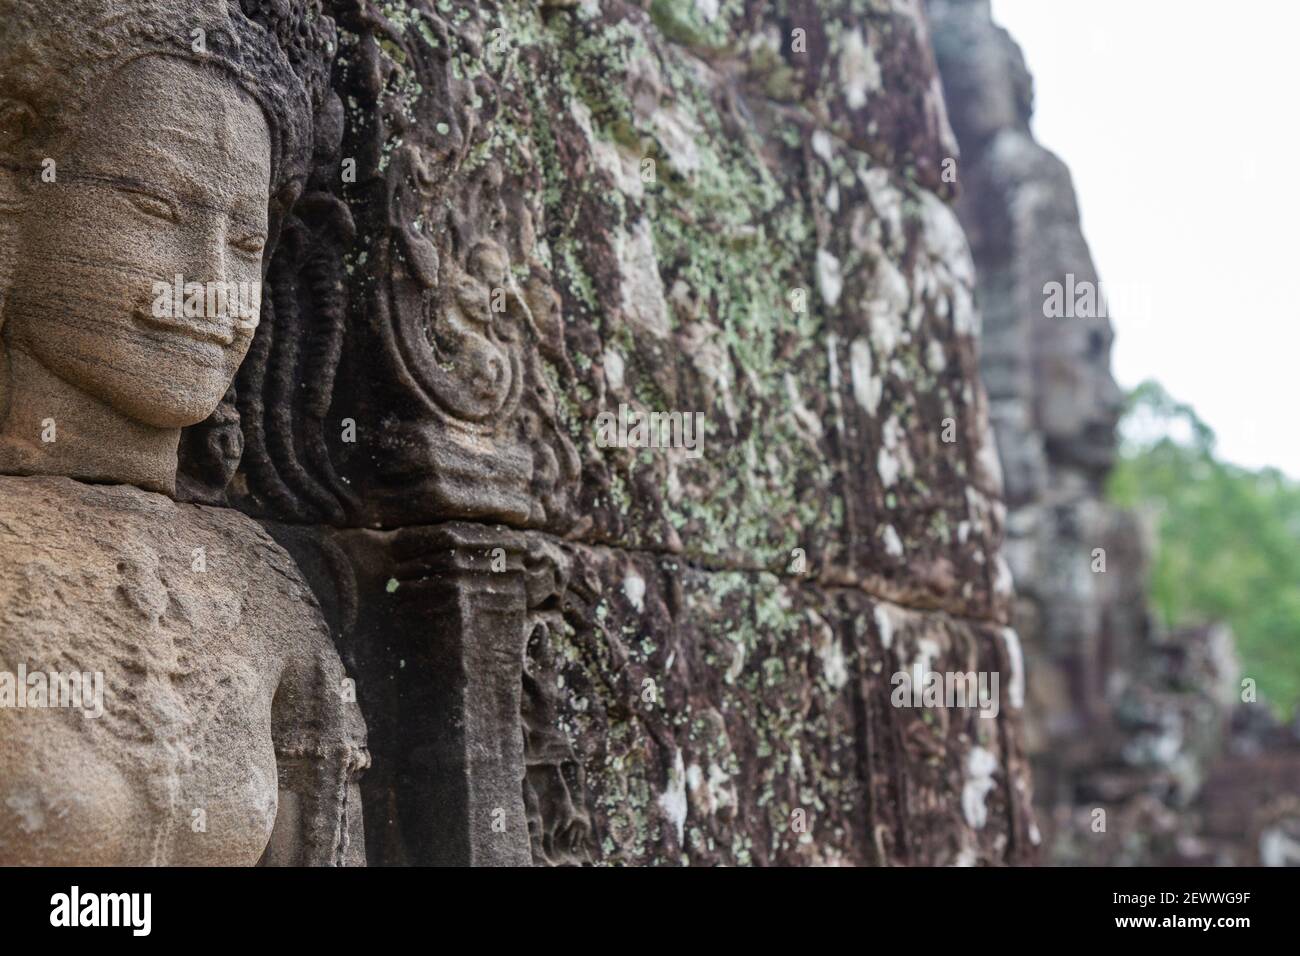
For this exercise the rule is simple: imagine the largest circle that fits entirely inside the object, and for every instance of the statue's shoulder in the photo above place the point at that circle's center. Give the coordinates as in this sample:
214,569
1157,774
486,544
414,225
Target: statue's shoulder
46,513
56,525
96,550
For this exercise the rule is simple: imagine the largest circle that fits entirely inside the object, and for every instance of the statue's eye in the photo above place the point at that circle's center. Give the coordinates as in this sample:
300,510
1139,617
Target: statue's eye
151,205
252,244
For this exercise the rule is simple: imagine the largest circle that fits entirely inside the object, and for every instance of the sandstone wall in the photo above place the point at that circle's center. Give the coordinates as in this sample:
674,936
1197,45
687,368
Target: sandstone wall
575,653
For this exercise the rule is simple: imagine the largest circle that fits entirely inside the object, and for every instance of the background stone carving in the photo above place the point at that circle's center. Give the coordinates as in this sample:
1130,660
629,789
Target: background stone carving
1053,404
1122,716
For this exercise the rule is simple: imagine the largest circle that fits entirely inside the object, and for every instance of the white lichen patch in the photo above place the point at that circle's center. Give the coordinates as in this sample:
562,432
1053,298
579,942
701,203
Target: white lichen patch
867,387
944,239
694,778
935,358
859,71
710,791
988,467
980,767
893,543
1277,847
916,314
821,146
834,666
887,200
613,369
737,665
642,287
634,590
1016,686
833,362
894,459
927,651
722,789
965,317
673,800
977,509
830,280
885,626
1003,582
887,308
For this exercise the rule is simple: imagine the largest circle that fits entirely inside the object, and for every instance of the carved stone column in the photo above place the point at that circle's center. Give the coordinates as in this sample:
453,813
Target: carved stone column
437,626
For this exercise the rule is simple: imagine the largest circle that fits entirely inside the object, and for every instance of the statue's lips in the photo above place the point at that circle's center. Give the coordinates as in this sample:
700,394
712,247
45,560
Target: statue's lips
220,330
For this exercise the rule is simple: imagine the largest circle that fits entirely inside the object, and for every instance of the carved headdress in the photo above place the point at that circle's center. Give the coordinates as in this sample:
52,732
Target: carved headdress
55,54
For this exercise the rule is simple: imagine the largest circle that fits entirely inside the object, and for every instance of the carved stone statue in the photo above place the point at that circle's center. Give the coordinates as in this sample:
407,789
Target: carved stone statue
147,145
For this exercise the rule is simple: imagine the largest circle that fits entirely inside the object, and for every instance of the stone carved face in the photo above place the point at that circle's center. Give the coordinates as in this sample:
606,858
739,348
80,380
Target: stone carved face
1079,402
152,186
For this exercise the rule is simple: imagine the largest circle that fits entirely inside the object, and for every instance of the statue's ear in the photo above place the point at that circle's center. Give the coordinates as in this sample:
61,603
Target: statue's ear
17,125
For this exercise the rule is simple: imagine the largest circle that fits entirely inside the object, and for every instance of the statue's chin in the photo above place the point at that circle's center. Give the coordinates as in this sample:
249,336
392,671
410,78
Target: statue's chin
173,404
165,389
179,417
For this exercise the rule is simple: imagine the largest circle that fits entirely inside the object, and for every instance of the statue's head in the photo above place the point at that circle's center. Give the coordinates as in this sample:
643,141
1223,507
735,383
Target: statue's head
145,146
1079,402
148,187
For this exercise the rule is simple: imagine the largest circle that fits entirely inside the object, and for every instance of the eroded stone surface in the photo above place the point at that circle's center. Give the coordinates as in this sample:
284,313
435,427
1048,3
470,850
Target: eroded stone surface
739,718
561,210
668,713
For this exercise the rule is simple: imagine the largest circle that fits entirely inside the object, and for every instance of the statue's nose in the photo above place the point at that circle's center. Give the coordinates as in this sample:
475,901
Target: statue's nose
207,260
1112,396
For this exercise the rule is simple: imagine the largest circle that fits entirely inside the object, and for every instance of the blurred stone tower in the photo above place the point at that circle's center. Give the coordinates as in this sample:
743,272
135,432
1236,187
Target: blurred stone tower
1121,718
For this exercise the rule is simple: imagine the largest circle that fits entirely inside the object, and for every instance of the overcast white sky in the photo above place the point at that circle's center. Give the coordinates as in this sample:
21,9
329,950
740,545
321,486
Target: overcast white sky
1180,120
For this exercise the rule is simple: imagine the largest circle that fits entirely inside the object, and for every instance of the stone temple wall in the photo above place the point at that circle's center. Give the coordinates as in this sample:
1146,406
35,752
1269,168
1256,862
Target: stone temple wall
567,652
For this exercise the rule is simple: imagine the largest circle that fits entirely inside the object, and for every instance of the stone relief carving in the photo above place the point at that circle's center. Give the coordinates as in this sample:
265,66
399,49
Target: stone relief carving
227,732
555,798
407,295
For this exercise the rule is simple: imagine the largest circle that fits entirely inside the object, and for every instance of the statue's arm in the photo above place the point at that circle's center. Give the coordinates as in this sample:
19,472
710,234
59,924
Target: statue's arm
320,752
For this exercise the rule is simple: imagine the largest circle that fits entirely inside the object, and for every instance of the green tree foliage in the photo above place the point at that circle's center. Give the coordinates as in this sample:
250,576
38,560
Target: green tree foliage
1228,538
